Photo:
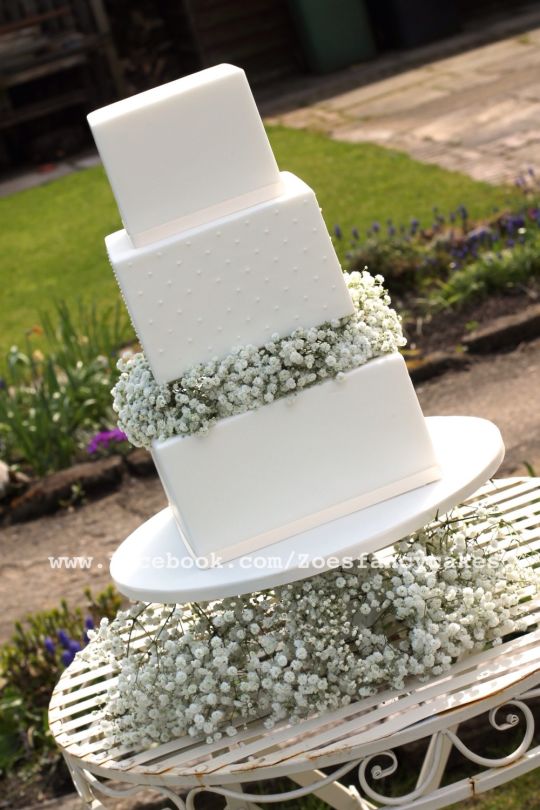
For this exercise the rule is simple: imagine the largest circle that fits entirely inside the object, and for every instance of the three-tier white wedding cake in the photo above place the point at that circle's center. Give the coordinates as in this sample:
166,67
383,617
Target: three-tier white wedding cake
222,251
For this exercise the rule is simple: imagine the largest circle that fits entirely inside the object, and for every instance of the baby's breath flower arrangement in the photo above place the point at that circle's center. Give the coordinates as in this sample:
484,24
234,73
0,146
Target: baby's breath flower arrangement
315,645
253,376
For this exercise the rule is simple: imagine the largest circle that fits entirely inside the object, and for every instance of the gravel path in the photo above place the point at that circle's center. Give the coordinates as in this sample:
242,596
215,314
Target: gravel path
504,388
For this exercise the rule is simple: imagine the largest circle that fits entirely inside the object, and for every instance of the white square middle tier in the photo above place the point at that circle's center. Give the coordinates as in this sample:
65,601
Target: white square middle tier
302,461
270,268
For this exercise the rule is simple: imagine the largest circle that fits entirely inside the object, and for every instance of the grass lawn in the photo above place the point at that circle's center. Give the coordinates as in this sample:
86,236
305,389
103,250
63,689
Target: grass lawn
51,241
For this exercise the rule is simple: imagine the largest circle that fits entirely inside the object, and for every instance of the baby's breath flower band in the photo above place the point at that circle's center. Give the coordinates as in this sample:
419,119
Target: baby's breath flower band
250,376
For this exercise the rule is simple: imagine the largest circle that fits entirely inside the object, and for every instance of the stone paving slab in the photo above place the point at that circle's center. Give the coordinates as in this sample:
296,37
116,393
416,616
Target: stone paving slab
477,112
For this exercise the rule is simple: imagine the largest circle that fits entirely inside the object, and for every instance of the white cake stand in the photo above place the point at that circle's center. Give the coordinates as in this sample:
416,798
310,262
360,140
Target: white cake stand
154,565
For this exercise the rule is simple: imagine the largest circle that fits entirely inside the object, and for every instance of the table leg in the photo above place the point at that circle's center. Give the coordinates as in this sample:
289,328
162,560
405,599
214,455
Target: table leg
445,747
83,788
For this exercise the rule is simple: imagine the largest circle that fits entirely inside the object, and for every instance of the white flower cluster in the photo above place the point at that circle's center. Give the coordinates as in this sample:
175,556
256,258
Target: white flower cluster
314,645
249,376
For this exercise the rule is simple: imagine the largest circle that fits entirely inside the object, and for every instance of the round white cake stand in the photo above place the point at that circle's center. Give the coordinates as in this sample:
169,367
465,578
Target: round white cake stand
154,565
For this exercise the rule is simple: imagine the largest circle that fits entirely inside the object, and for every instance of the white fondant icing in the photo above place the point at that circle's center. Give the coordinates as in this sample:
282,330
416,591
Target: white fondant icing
176,153
230,295
299,462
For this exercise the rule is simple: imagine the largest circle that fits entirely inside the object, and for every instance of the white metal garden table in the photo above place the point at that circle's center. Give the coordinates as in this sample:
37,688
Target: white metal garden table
359,739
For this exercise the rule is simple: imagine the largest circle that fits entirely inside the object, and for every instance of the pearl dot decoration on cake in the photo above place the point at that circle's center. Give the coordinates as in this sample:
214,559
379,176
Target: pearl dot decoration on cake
282,263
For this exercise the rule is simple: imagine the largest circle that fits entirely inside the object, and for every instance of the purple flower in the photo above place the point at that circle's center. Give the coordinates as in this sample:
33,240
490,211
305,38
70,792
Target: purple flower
375,227
64,639
49,645
104,438
67,657
89,623
356,233
74,647
338,232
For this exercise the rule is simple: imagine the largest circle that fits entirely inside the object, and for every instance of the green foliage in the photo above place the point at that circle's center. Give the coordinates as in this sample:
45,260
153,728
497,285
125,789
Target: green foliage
455,259
51,402
398,260
491,272
30,665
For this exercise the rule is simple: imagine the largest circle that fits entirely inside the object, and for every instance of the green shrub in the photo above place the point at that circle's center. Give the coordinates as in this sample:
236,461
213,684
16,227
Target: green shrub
453,260
30,665
492,272
398,259
53,401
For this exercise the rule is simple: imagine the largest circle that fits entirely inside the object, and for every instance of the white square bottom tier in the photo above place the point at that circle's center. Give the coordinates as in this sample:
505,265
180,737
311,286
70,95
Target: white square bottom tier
302,461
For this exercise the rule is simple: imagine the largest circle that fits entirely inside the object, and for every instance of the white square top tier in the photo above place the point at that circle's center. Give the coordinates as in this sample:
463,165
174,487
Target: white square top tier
185,153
